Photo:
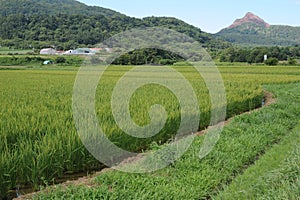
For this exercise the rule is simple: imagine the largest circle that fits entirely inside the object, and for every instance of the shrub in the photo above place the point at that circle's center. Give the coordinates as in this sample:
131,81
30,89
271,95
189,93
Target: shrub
167,62
60,60
95,60
272,62
292,61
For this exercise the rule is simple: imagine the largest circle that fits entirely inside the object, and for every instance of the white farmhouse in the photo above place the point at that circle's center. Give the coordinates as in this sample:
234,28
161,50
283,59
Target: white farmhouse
80,51
48,51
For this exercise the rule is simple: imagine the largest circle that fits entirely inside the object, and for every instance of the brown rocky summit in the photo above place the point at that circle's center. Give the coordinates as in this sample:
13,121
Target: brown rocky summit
250,18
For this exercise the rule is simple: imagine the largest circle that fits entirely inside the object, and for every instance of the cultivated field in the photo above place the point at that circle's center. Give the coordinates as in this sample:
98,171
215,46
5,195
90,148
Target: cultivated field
39,142
257,157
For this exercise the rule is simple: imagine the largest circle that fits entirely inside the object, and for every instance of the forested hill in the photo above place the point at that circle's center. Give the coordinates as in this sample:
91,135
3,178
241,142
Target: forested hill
70,24
51,7
252,30
275,35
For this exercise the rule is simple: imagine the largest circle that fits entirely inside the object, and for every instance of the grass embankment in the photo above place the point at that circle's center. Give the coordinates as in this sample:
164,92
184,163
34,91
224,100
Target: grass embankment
275,176
244,140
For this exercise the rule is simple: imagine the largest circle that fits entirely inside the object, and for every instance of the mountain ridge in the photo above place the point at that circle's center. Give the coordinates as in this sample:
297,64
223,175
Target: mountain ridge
252,30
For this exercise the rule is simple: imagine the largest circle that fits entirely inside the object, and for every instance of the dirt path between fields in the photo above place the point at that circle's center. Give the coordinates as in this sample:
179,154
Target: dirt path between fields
268,100
87,180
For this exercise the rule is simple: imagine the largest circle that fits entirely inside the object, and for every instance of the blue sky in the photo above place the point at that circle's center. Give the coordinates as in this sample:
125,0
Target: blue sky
209,15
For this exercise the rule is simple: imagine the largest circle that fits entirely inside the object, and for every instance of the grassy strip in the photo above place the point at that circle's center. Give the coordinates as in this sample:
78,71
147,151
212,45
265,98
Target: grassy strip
275,176
35,61
245,138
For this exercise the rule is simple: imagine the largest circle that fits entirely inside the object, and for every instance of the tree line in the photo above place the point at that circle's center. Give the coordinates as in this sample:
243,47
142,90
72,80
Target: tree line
148,56
256,54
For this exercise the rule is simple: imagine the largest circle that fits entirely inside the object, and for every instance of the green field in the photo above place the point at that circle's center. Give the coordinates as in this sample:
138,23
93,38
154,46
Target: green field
39,142
14,51
257,157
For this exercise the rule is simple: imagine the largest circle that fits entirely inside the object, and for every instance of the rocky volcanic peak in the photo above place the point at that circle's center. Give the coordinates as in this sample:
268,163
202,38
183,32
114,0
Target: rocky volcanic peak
250,18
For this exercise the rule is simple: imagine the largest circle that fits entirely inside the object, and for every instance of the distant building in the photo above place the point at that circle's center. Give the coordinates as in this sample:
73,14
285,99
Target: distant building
70,52
84,51
59,52
79,51
95,50
48,51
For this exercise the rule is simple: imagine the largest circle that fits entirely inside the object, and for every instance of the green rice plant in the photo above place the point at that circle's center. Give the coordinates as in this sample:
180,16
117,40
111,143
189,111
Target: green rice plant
38,137
242,142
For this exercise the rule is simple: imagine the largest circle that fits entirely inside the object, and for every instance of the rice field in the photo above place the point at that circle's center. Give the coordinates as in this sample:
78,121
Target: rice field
256,157
39,141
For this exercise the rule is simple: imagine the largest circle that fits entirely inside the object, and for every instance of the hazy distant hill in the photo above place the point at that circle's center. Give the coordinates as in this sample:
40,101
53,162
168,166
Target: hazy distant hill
68,24
255,31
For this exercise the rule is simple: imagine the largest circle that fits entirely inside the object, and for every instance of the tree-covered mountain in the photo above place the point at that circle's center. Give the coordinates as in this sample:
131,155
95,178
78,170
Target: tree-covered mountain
61,30
251,30
70,24
50,7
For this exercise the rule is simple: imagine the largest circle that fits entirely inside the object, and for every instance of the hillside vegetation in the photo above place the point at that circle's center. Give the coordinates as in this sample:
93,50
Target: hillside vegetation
69,24
250,34
51,7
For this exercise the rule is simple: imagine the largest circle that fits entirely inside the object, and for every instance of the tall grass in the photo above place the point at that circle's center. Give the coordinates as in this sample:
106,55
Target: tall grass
274,176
